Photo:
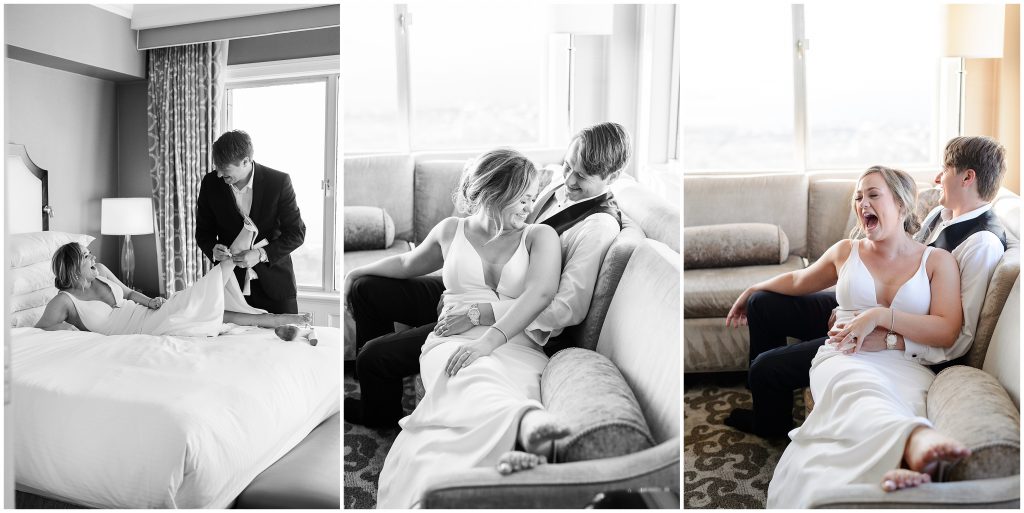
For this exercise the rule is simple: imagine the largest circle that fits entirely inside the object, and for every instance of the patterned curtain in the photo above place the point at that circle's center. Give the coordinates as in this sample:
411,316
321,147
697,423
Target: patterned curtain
185,95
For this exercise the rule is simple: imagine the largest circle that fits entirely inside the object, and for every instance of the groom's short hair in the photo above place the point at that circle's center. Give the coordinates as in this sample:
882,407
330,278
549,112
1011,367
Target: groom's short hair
603,149
232,146
982,154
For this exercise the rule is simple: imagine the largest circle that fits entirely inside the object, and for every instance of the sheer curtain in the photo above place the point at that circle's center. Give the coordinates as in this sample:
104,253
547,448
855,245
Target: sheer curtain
184,96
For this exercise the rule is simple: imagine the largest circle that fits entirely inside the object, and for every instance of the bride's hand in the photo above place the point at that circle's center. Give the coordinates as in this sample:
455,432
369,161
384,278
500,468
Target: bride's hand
850,336
453,321
469,352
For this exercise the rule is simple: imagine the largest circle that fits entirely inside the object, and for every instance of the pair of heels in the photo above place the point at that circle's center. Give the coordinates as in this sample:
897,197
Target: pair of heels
289,332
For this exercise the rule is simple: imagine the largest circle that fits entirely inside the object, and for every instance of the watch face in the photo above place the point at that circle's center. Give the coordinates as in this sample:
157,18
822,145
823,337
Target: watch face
890,341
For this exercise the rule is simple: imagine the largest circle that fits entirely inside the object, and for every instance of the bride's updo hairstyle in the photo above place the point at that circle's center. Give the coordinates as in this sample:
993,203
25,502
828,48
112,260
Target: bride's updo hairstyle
903,189
65,265
492,182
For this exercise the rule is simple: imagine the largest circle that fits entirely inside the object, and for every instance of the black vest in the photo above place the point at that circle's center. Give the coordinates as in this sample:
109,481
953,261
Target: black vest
954,234
569,217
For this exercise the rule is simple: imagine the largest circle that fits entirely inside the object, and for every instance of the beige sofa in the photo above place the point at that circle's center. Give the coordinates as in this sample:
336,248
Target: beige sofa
638,282
814,212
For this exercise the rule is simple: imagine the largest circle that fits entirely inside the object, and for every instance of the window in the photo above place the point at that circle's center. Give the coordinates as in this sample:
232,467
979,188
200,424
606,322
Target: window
446,77
293,125
818,87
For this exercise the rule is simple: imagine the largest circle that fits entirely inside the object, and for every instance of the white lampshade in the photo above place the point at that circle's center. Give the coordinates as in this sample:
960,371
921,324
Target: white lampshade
581,19
974,31
126,216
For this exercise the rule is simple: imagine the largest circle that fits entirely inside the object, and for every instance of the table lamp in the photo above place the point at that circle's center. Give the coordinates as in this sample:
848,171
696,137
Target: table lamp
126,216
973,31
579,19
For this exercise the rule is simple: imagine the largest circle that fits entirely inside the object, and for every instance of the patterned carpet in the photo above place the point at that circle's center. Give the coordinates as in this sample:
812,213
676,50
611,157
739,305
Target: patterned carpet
365,449
723,467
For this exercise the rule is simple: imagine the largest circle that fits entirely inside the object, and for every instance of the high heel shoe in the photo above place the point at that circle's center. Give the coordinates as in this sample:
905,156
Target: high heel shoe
289,332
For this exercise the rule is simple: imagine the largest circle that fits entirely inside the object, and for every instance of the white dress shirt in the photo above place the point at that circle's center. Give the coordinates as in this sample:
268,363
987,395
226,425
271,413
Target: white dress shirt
583,249
977,257
243,196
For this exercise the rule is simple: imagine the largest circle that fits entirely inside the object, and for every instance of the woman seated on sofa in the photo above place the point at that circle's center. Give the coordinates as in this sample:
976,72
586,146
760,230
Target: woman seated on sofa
91,298
482,385
868,424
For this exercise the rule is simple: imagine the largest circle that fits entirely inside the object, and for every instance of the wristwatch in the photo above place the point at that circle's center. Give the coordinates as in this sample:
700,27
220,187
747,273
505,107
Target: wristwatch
890,340
474,314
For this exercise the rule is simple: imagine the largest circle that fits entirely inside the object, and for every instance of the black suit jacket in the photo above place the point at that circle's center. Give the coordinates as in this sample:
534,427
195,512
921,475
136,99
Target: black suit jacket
276,215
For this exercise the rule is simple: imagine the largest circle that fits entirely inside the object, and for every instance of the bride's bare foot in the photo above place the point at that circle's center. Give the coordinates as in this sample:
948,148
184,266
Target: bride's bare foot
901,478
538,429
514,461
927,448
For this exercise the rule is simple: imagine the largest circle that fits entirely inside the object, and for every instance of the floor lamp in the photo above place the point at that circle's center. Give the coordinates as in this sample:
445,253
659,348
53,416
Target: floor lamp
126,216
578,20
973,31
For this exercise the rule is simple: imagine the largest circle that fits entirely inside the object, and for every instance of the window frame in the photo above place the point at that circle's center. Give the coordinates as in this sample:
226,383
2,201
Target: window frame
944,128
296,71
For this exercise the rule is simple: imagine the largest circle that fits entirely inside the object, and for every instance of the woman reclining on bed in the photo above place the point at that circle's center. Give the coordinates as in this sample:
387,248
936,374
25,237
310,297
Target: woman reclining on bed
91,298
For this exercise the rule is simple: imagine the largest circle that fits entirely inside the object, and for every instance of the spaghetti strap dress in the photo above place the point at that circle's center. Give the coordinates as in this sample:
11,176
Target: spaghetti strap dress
195,311
865,404
471,419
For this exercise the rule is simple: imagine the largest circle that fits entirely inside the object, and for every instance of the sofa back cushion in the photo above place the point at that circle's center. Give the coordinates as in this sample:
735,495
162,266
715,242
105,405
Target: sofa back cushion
434,182
384,181
641,334
779,199
658,218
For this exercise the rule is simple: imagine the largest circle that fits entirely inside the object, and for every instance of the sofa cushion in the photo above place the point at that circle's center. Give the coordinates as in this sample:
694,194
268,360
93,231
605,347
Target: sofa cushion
1003,278
641,334
368,228
1002,360
585,390
656,217
384,181
972,407
435,182
779,199
732,245
711,292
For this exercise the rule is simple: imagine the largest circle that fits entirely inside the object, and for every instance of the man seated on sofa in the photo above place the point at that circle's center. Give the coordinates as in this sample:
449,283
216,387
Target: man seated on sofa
963,224
579,205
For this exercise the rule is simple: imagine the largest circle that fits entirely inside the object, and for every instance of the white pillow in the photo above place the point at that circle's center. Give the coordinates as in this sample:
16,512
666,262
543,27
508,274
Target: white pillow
31,248
31,278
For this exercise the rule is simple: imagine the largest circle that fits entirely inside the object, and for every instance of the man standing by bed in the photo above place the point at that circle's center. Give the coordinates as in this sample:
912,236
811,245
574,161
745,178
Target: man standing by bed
243,195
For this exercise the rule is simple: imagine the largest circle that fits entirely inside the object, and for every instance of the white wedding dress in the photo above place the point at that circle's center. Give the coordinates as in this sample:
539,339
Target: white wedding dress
865,404
471,419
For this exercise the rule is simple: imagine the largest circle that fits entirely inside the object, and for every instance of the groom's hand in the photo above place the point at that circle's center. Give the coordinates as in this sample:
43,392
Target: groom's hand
247,258
221,253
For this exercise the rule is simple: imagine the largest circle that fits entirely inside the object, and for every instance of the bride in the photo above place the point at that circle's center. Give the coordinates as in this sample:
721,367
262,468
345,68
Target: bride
868,424
91,298
482,385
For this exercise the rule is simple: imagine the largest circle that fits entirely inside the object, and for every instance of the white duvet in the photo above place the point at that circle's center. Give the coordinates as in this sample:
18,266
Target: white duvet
139,421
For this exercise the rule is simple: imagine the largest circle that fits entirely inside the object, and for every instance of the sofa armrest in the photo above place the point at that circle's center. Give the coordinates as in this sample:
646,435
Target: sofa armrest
561,485
1002,492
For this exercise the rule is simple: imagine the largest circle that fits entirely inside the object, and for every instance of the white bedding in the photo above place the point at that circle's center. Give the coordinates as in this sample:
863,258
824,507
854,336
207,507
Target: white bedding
138,421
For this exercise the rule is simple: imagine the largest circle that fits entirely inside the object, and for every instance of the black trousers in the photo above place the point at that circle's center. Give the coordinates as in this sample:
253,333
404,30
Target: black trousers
776,370
258,298
383,357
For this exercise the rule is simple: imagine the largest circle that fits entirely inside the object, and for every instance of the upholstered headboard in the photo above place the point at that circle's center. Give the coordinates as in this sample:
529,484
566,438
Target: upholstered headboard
27,185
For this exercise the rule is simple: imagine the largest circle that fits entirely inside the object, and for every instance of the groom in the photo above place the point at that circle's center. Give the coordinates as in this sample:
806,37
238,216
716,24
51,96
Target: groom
242,195
963,224
579,205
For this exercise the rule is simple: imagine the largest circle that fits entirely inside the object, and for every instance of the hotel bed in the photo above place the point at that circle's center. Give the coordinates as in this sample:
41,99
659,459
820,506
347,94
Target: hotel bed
140,421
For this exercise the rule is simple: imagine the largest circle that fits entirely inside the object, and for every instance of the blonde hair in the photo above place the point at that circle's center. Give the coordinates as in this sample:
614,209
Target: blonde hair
65,265
493,182
904,191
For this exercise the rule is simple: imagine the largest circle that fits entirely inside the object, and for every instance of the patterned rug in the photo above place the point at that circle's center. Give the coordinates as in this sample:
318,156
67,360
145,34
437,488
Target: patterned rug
365,449
724,467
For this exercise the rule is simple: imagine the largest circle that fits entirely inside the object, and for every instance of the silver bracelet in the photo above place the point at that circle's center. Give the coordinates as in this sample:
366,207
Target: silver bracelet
502,333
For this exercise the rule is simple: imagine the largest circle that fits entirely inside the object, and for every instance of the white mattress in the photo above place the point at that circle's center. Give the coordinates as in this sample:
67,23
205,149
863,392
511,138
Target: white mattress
138,421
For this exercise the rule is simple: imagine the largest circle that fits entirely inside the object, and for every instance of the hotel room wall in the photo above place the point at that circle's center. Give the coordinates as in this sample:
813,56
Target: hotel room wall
68,124
293,45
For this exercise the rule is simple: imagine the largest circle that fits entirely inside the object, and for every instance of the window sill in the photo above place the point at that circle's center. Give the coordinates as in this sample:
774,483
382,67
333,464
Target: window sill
315,295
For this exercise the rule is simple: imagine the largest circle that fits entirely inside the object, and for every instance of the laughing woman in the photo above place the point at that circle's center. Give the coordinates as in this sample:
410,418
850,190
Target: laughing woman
482,385
868,424
91,298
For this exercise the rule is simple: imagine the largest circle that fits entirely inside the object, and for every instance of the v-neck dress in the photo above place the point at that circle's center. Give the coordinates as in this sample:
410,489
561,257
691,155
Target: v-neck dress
865,404
471,419
195,311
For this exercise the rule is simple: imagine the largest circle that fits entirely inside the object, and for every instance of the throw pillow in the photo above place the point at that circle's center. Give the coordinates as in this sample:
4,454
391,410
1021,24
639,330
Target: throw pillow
584,389
734,245
368,228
